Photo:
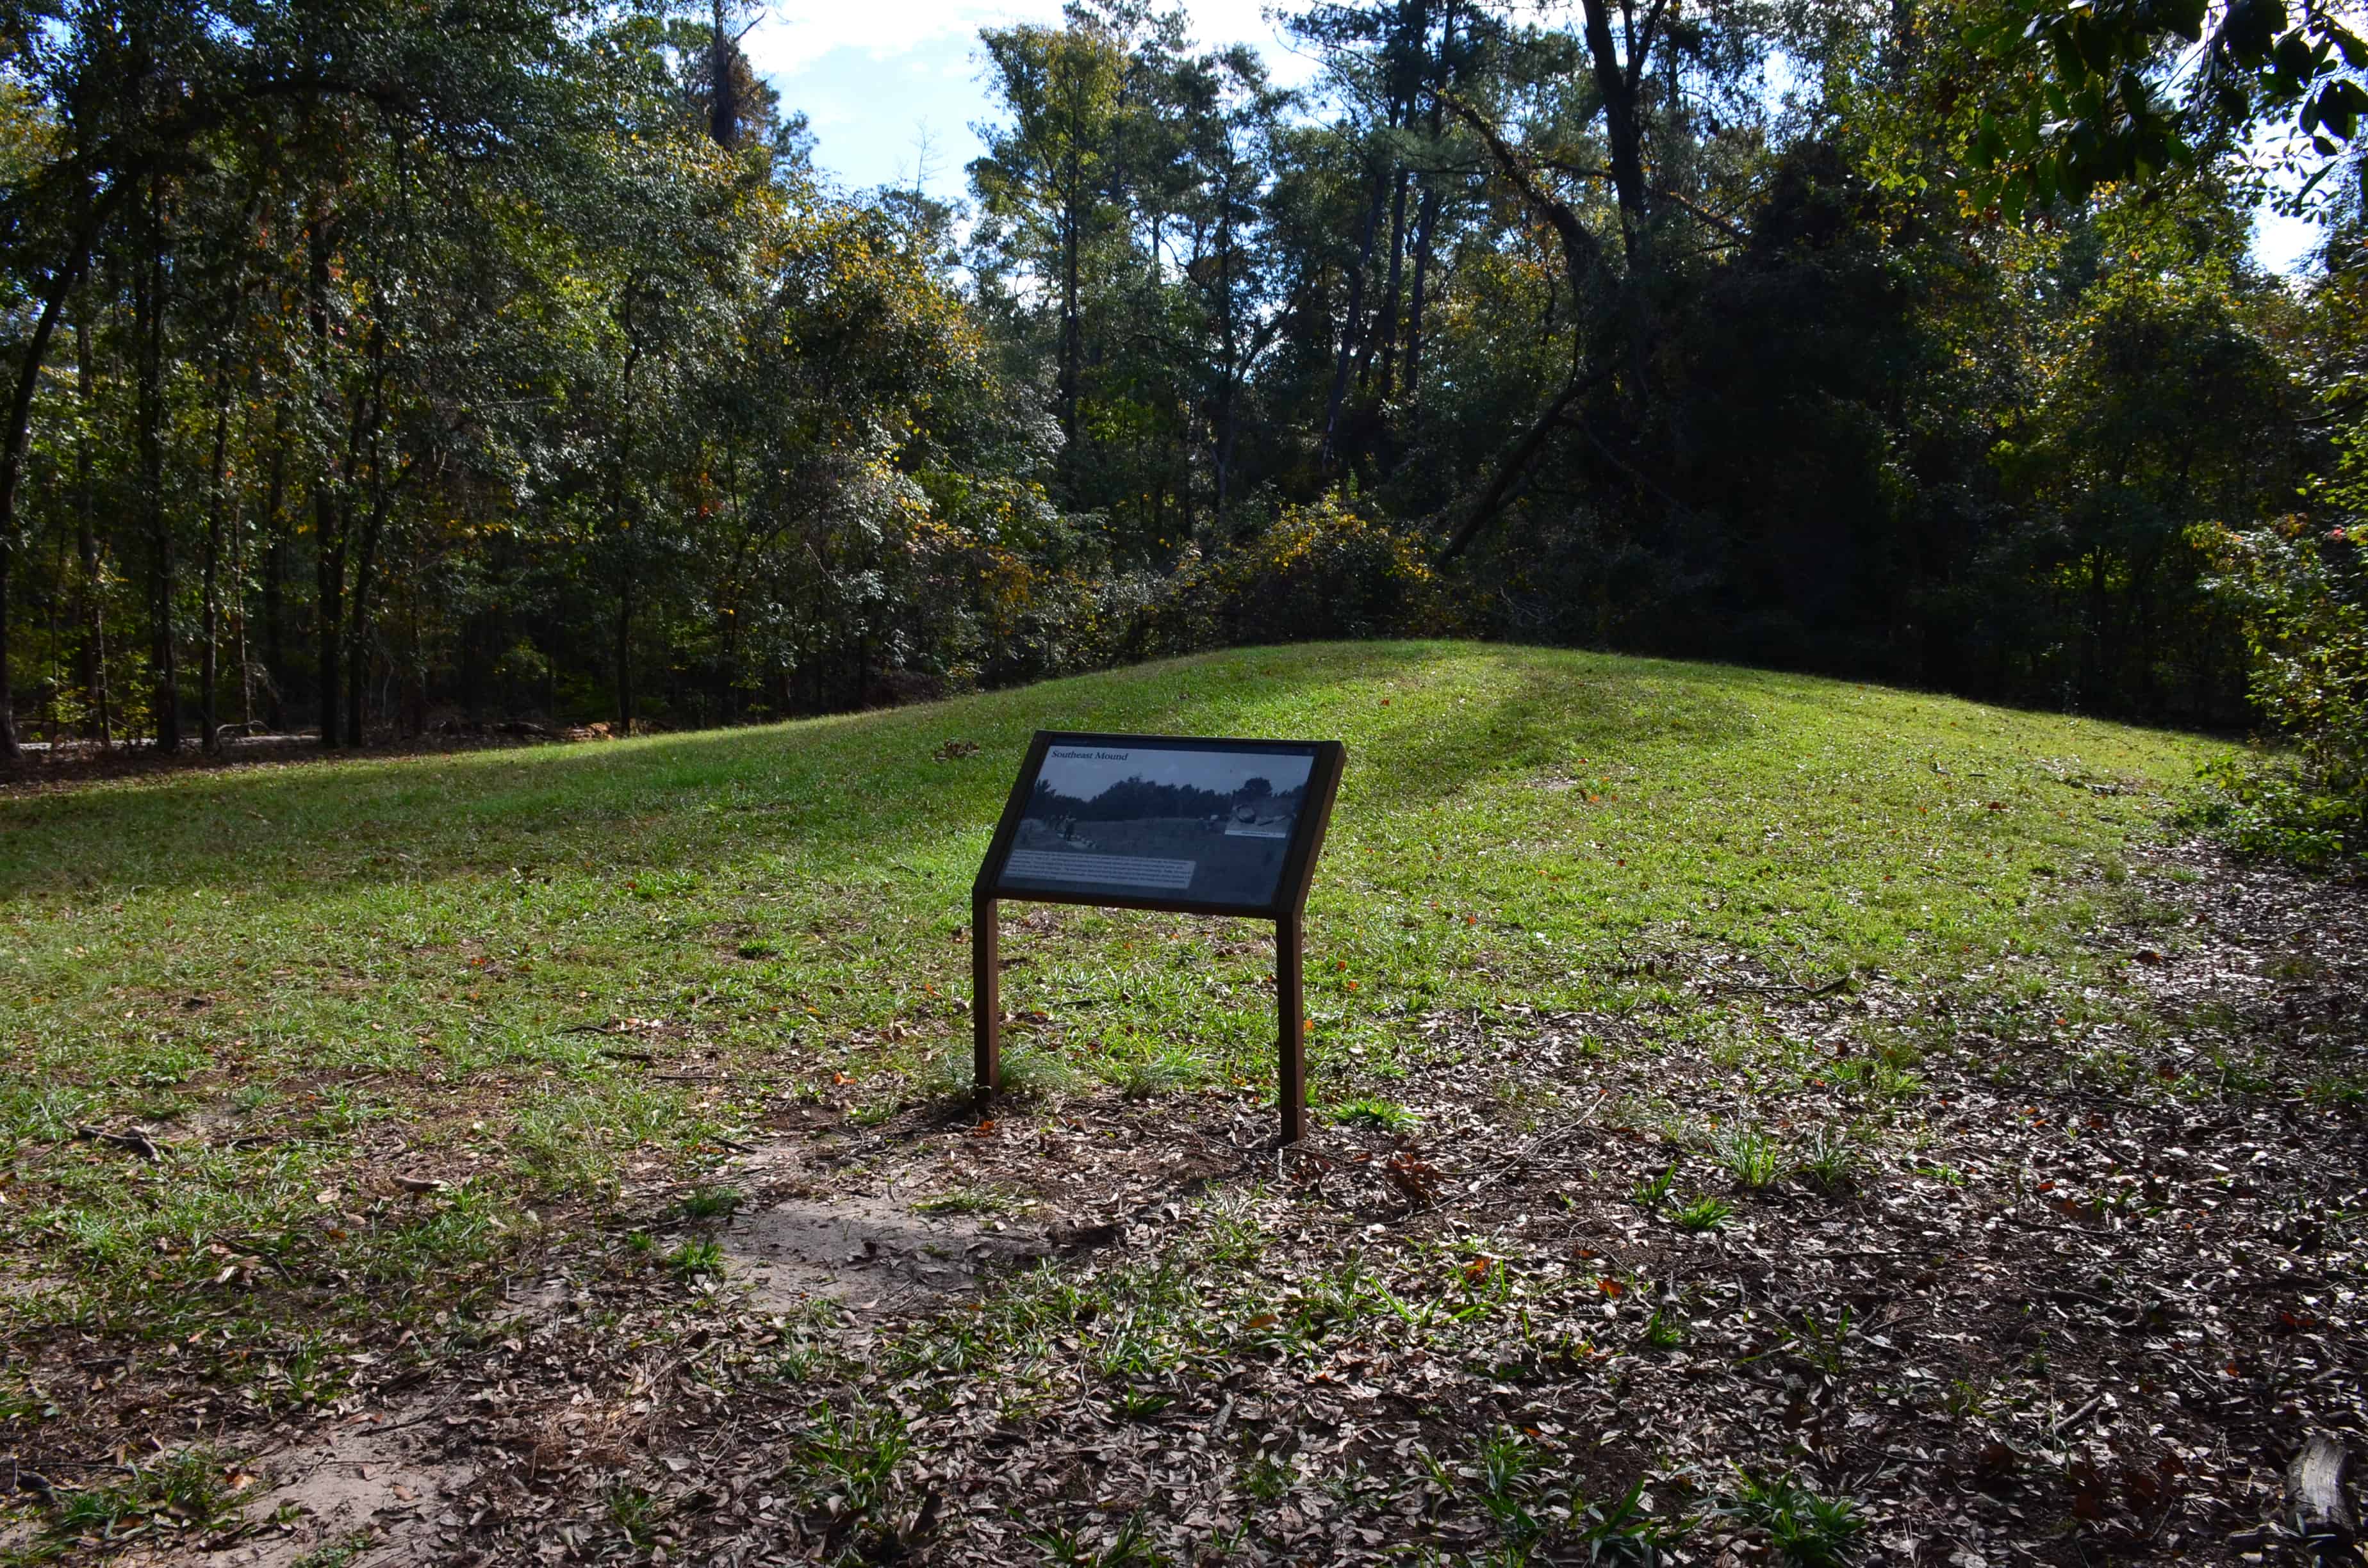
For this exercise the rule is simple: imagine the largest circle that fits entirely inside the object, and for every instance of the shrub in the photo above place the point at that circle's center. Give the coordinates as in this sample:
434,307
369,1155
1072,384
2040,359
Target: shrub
2302,596
1316,573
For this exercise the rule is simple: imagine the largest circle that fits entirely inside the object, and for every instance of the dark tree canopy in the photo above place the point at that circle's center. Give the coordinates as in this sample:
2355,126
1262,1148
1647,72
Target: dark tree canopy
387,370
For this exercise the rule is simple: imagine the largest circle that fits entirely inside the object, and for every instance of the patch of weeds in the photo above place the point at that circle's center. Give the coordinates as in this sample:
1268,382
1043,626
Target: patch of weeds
1266,1477
968,1201
1143,1341
1883,1074
634,1512
1967,1400
1506,1489
1664,1330
309,1372
1382,1115
1135,1403
693,1259
1834,1161
2337,1091
1233,1236
188,1486
710,1203
758,950
853,1460
1804,1529
1753,1158
1822,1344
1704,1213
1650,1195
338,1553
342,1111
570,1141
1031,1071
22,1400
1622,1532
2241,1077
1129,1547
1148,1077
1947,1175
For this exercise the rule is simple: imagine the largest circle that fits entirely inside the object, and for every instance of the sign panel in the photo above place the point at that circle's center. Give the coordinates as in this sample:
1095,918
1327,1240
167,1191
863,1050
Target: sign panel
1214,826
1161,822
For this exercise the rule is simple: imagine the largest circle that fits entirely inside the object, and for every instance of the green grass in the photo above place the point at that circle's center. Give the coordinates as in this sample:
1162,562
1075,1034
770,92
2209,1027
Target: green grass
538,974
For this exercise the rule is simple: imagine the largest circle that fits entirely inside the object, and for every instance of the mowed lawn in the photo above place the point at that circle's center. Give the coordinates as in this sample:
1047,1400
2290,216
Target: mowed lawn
548,976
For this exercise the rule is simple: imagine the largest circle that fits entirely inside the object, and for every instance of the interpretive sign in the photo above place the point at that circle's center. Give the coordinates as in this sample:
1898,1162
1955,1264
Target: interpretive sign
1197,826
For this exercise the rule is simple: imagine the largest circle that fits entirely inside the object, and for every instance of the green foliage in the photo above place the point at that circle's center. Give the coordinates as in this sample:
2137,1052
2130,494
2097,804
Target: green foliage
2303,598
1805,1529
1651,1193
1752,1157
695,1259
2085,95
1703,1213
851,1461
1128,1546
190,1485
1383,1116
1319,572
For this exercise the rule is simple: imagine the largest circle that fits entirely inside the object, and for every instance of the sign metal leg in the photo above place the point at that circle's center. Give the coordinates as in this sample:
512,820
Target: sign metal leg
985,996
1290,1013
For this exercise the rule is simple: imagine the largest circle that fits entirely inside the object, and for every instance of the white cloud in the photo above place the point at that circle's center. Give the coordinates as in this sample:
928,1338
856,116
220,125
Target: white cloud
872,77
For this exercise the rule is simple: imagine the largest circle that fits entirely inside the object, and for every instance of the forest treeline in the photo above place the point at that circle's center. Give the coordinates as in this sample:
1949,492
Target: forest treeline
384,368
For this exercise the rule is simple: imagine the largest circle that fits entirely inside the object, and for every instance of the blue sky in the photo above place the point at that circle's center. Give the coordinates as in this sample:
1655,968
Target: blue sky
893,85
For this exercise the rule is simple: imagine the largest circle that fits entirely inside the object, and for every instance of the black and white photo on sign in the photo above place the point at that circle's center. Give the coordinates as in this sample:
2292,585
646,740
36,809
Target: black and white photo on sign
1209,825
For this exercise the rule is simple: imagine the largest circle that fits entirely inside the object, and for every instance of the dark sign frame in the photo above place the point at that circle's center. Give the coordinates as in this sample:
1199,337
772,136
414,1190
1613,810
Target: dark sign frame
1287,908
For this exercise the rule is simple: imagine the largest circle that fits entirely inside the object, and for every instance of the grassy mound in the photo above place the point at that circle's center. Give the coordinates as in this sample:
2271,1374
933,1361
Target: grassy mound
303,1061
538,973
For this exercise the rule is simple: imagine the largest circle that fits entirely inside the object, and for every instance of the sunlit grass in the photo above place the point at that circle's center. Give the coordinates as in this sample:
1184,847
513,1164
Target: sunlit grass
486,961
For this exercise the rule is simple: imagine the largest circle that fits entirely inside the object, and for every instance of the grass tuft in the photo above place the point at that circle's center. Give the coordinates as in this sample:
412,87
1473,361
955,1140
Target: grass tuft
1383,1116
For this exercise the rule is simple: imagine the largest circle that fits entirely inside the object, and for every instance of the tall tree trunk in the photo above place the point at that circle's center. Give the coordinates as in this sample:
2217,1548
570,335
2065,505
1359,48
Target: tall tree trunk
1616,82
329,609
246,664
1426,225
722,83
328,506
12,450
93,607
1071,332
1352,324
210,655
1386,333
1228,397
149,312
625,656
275,580
358,635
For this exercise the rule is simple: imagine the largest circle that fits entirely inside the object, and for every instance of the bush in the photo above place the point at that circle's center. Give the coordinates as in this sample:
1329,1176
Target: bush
1317,573
2302,599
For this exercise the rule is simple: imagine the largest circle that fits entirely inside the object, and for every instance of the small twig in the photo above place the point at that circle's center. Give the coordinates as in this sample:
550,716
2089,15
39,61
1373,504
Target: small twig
23,1480
139,1143
2079,1416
